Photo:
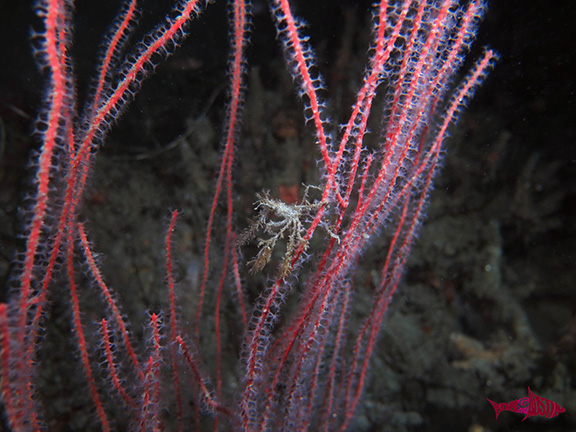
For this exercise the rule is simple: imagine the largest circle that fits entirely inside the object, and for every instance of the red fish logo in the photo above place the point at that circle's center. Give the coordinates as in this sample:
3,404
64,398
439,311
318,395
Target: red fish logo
533,405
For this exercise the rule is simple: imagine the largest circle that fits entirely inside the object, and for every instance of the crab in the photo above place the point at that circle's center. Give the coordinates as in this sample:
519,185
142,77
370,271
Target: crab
279,220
